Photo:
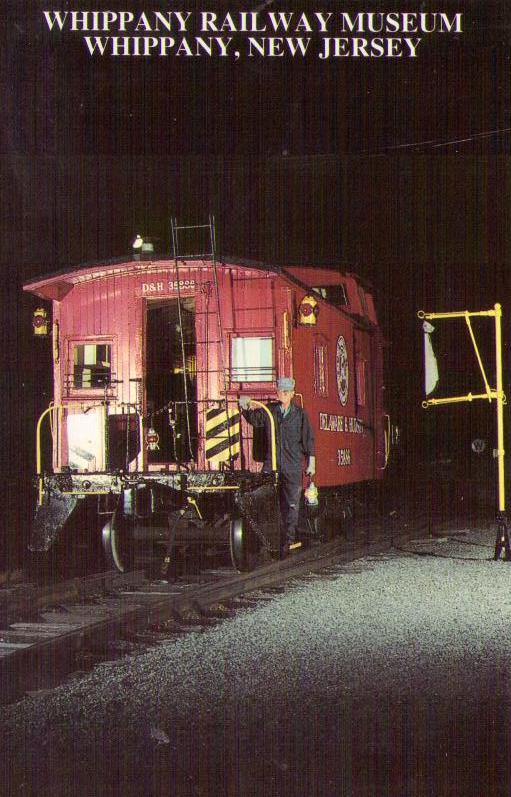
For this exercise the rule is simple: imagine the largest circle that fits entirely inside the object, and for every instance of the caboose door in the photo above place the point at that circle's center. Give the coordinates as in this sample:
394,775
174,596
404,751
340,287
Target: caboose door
171,381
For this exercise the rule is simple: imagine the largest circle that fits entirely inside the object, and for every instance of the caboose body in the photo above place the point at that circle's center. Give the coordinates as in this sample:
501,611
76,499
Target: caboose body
150,358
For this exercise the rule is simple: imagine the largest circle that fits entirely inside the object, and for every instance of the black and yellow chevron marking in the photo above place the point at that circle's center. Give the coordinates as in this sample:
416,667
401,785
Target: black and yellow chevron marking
222,434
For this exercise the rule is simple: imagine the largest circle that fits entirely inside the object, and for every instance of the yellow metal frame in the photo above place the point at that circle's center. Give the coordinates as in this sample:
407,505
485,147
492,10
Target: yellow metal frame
285,330
273,433
490,394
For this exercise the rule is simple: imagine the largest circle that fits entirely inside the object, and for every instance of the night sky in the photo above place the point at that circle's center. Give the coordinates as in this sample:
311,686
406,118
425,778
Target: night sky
397,169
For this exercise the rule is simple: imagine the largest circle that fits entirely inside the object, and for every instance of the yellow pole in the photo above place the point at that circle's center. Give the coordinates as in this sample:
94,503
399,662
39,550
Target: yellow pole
38,455
502,543
460,314
500,408
459,399
142,446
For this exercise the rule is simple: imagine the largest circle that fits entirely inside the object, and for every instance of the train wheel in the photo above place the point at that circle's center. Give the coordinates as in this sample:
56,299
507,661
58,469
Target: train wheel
243,549
118,542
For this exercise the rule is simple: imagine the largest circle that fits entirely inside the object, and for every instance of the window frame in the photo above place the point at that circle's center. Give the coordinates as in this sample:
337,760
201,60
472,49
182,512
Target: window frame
70,389
253,334
322,291
320,364
361,385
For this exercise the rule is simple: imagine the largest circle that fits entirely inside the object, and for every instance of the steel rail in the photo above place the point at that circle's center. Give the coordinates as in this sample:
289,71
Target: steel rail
40,655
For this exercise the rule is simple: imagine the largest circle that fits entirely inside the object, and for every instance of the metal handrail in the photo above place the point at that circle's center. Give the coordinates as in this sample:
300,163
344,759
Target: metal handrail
54,409
272,430
49,410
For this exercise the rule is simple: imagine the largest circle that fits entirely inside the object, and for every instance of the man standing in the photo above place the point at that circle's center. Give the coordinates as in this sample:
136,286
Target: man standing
295,441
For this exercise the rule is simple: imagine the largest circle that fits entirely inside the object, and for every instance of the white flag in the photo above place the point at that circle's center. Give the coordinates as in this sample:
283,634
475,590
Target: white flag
430,363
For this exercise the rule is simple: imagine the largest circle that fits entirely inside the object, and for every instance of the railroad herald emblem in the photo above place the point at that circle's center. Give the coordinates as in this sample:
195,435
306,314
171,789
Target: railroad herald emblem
342,370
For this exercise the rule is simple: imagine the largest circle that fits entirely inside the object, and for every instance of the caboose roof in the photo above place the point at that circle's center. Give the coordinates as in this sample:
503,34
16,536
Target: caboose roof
57,285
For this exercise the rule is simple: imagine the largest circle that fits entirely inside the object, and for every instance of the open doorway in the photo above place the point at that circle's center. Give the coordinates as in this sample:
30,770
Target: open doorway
171,380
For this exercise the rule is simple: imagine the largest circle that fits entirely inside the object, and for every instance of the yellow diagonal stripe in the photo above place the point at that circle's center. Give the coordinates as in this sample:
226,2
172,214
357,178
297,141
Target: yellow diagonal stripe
222,434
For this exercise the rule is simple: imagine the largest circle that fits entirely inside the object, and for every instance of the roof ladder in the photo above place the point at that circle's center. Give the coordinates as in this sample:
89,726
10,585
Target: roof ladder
177,234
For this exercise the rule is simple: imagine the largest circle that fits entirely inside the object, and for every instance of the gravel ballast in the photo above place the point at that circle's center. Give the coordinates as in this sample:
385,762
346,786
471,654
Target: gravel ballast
388,677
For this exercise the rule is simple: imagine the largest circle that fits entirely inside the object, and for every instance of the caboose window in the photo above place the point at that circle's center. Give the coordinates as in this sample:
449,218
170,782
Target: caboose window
252,359
320,370
335,294
361,383
92,365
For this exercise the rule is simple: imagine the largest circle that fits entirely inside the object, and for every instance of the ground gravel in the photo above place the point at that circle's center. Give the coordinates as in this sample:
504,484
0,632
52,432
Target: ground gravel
391,676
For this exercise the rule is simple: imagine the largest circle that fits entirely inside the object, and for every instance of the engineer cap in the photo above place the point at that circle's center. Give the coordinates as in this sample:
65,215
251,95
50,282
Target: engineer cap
285,383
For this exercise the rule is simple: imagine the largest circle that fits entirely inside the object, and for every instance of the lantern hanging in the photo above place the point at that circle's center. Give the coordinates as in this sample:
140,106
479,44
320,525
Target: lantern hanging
40,321
152,439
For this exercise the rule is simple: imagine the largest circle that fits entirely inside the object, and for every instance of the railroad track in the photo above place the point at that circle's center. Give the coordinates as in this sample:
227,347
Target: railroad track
48,633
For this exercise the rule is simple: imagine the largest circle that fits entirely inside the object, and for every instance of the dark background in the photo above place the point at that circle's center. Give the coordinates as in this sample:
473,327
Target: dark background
398,170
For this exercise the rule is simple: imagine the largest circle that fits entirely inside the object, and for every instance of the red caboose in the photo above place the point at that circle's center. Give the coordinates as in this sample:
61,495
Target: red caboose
150,359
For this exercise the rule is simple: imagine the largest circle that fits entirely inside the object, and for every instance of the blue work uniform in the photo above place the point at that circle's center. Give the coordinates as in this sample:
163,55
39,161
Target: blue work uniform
295,440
